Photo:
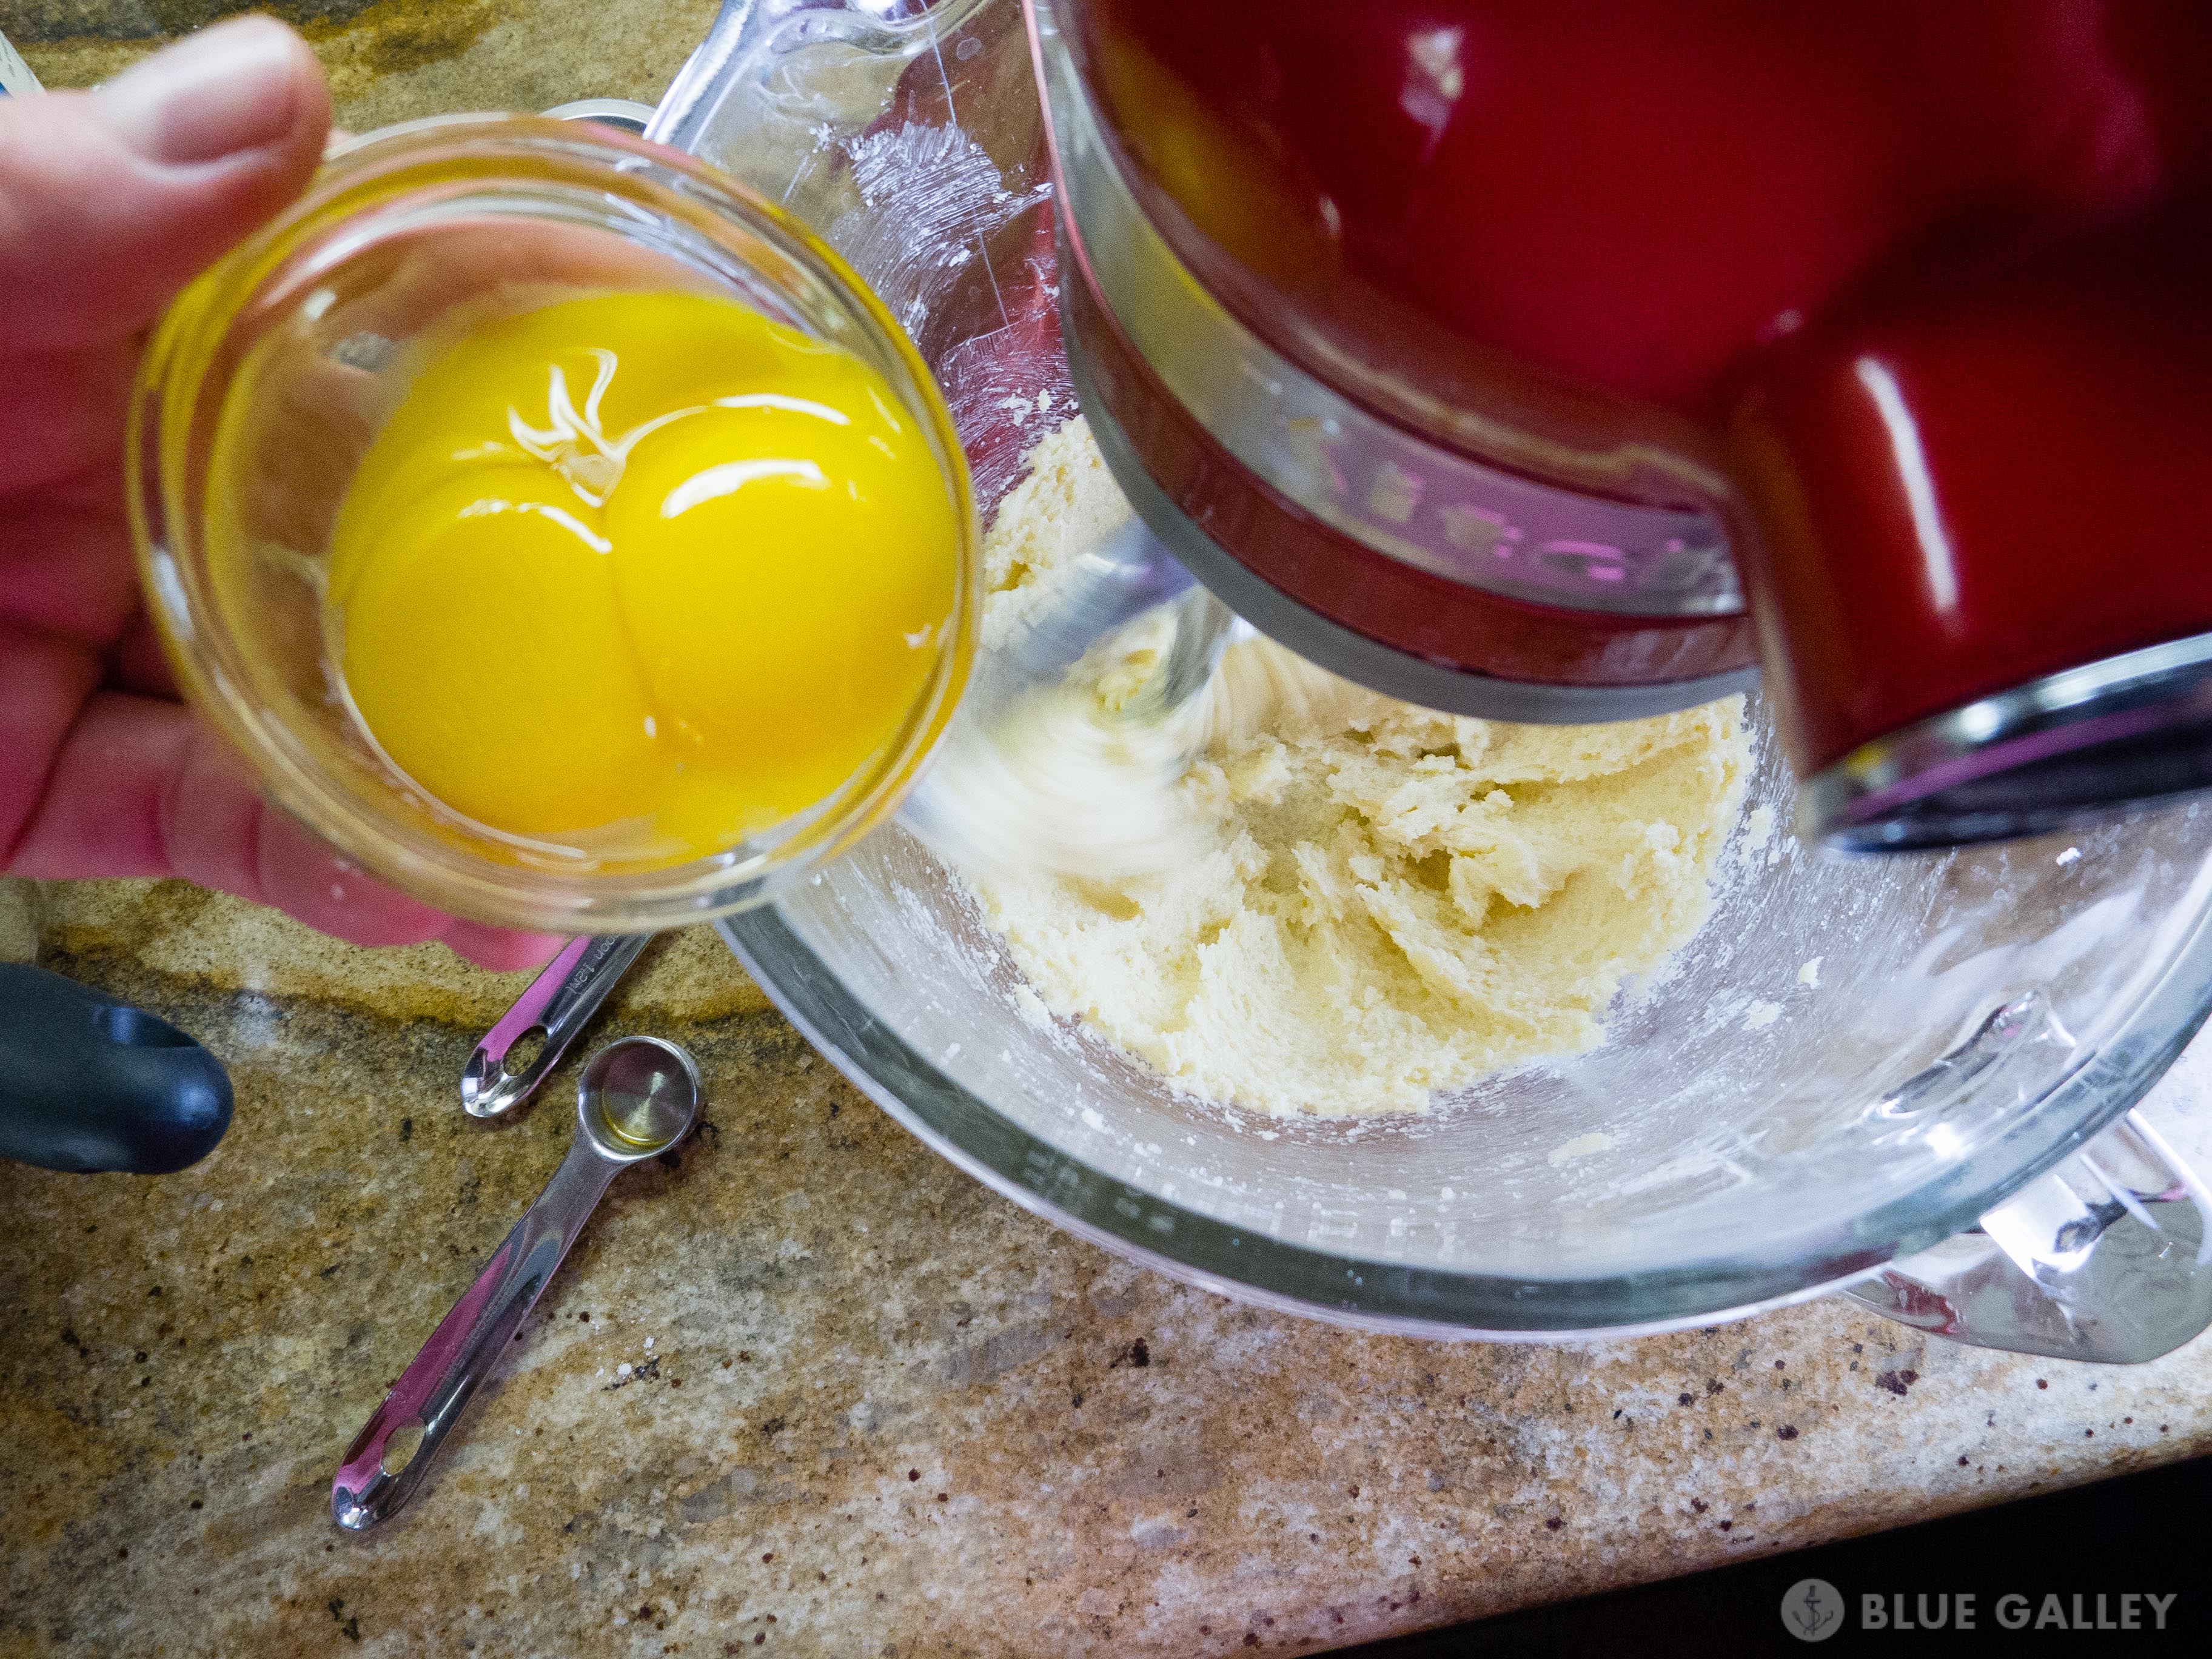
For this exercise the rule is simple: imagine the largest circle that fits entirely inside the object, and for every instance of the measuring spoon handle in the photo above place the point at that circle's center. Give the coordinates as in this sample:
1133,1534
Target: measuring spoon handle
560,1002
394,1451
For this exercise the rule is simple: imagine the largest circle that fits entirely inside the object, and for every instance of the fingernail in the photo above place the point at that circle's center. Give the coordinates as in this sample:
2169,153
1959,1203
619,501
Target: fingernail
225,90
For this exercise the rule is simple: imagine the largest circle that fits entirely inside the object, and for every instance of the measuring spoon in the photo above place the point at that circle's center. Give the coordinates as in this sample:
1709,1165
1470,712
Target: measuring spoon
559,1003
637,1098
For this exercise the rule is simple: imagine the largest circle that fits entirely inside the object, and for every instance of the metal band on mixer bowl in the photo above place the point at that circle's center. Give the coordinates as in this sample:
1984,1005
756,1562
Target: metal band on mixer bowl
1378,666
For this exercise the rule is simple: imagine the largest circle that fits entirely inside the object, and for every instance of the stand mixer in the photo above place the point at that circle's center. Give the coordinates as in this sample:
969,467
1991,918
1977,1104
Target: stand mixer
1567,374
1919,1132
1529,370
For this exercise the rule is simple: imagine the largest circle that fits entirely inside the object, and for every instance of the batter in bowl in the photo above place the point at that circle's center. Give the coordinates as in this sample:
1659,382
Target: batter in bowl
1379,904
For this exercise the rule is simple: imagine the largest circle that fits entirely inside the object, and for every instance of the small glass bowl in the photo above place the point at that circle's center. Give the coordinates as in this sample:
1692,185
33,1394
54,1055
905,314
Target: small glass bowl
295,347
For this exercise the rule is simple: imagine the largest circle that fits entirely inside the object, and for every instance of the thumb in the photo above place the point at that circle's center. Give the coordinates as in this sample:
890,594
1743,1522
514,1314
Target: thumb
111,201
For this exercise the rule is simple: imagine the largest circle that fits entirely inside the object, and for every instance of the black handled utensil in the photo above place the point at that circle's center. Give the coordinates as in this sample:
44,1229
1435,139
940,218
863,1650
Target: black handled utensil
88,1083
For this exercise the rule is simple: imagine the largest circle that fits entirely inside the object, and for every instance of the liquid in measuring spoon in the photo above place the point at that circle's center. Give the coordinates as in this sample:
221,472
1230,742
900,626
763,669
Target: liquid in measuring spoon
641,573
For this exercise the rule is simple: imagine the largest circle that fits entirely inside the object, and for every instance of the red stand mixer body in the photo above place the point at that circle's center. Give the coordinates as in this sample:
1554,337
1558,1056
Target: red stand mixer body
1558,363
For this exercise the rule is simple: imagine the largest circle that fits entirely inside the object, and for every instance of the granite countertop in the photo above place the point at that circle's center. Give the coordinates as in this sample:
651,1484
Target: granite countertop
870,1408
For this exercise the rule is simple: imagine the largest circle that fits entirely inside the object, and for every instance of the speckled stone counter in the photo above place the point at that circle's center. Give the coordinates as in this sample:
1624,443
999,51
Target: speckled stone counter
869,1407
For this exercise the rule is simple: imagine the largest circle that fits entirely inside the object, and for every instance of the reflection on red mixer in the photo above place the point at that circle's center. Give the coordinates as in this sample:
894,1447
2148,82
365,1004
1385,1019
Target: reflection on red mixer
1548,325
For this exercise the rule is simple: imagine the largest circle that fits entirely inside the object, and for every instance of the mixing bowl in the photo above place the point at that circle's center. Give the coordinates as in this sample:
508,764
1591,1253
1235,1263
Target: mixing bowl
1852,1062
1849,1063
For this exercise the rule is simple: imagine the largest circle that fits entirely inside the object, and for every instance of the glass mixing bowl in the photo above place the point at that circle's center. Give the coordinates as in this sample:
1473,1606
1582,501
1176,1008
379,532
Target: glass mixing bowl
295,347
1849,1063
1852,1061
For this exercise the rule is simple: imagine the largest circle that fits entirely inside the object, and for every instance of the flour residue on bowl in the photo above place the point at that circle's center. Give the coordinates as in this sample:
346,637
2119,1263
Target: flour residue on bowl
1587,1145
1381,903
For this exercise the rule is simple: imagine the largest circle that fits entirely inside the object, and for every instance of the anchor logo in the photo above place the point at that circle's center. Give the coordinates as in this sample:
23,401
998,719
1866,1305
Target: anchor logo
1813,1610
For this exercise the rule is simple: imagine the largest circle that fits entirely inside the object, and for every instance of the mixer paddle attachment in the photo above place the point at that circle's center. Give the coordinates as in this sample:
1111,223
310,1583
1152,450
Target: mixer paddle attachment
1073,734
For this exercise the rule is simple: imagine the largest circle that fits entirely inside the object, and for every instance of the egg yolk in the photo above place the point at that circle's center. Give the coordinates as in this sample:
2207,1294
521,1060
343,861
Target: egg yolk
645,573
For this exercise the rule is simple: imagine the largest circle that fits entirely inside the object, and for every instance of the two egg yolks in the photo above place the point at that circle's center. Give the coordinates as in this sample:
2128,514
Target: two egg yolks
641,573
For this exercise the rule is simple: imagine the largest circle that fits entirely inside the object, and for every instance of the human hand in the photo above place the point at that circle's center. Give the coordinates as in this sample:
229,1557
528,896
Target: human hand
110,202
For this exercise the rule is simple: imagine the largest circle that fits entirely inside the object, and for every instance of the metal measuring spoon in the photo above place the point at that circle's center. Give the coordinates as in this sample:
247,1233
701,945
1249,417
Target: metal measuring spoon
637,1098
559,1003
